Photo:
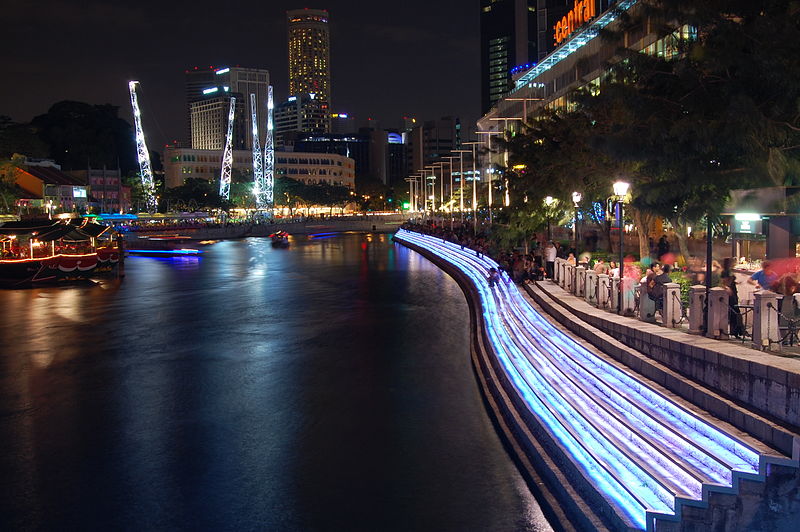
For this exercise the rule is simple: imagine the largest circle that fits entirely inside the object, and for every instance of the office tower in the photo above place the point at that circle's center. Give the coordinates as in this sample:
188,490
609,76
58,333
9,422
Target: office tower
508,39
309,55
431,140
209,118
205,83
303,113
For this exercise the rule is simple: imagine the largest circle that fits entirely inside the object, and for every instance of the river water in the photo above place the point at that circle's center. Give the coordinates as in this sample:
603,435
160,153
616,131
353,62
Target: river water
323,387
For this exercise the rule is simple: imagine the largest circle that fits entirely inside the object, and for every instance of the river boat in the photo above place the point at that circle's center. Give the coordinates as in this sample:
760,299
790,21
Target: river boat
37,252
280,239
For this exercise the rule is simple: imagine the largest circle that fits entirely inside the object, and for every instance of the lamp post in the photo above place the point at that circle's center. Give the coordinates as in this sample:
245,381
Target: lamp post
474,186
524,104
507,199
489,148
548,202
576,199
432,179
620,191
450,160
461,181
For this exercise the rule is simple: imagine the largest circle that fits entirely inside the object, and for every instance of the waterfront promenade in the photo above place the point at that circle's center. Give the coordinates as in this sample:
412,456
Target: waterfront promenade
620,447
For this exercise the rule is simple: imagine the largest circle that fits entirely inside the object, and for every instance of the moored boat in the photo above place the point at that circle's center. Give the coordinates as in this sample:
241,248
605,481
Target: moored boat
280,239
47,252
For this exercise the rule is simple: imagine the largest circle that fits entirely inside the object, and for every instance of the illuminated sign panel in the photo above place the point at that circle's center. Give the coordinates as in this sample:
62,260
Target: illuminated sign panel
78,192
582,12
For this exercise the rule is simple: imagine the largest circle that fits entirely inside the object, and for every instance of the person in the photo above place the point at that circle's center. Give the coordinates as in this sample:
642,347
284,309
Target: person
656,287
601,267
571,259
550,259
662,247
765,277
613,269
728,281
494,277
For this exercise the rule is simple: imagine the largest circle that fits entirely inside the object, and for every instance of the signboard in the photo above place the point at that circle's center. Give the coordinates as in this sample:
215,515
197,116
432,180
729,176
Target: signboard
582,12
749,227
78,192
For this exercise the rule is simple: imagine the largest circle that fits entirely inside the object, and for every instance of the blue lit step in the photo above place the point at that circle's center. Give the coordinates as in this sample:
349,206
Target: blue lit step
679,442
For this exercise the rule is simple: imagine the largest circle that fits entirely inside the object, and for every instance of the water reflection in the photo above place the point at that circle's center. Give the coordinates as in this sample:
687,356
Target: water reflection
322,387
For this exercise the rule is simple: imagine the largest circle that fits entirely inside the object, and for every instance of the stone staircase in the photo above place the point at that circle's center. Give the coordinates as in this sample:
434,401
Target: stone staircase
634,451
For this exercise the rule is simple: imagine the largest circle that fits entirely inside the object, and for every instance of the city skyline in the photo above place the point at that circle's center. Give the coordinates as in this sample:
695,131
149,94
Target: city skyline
370,52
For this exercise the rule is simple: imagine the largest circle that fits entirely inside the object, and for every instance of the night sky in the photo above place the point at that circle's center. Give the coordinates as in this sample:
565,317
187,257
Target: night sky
389,59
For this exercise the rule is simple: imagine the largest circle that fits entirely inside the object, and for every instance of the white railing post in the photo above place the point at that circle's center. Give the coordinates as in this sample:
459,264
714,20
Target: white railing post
717,313
765,321
591,288
647,307
697,297
671,313
580,285
602,291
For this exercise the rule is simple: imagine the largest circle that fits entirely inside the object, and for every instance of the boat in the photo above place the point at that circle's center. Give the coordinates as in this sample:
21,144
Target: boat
36,252
280,239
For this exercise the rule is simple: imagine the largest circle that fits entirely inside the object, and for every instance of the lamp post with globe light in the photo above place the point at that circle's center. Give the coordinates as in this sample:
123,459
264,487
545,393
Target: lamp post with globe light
620,192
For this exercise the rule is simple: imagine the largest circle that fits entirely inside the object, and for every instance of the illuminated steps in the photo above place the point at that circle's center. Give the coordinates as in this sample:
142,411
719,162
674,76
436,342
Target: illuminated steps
644,454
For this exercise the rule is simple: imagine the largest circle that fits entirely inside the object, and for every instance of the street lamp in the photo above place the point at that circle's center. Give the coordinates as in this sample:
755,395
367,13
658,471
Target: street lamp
489,148
548,201
576,199
474,187
461,181
450,160
620,191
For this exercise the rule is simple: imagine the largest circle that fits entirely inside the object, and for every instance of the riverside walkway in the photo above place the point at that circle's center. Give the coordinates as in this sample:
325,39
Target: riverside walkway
640,454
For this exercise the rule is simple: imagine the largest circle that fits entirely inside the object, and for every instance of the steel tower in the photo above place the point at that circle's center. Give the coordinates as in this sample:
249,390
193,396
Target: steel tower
259,186
269,155
145,170
227,156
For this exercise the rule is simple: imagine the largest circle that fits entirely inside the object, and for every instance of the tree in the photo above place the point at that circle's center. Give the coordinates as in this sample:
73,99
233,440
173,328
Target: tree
20,138
9,193
80,134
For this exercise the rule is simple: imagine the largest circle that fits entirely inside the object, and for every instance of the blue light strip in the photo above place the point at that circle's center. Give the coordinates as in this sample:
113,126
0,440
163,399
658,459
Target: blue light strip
574,43
166,251
639,448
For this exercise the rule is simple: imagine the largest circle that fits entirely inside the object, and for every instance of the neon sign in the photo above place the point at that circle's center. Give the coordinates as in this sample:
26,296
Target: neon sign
582,12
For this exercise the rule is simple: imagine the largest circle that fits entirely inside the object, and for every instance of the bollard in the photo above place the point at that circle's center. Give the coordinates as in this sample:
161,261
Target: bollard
717,313
121,253
562,275
647,307
555,270
603,291
614,294
580,283
697,299
569,278
672,305
628,296
591,288
766,335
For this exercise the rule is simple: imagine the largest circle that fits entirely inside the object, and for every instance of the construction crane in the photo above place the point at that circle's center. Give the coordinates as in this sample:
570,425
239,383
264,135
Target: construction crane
227,156
145,170
269,156
259,185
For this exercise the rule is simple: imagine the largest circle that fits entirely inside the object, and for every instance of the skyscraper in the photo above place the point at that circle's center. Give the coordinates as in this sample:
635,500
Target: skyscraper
309,56
515,33
202,82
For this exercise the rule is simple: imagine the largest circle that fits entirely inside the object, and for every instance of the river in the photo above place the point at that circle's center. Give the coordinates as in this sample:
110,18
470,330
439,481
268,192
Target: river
327,386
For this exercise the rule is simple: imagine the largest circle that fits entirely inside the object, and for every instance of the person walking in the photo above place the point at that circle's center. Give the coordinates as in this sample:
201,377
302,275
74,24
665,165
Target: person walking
550,253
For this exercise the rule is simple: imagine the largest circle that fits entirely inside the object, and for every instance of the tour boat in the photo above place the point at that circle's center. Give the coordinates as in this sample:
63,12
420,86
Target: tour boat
280,239
46,252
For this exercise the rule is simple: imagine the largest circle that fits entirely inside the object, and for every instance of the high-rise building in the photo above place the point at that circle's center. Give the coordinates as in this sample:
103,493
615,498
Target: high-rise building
201,82
309,55
209,119
431,140
304,113
508,39
515,34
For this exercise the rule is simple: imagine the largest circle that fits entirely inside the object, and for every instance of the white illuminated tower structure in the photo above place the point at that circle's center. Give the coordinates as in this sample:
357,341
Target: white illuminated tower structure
258,163
269,155
145,170
227,156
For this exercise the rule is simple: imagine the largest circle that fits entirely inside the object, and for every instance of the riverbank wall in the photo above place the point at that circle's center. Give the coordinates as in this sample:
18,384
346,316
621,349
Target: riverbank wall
767,503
